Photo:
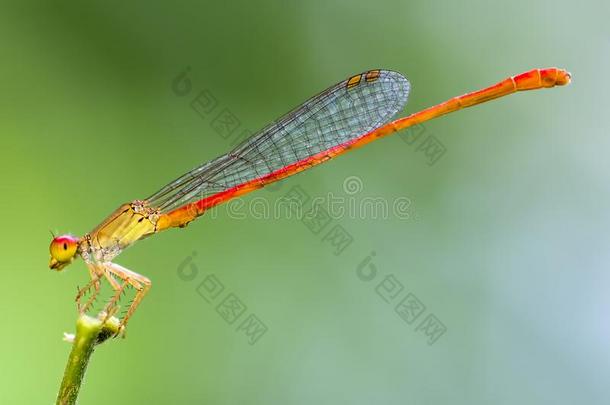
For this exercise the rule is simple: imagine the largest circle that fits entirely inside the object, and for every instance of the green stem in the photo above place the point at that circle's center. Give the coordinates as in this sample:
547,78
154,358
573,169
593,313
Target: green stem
89,333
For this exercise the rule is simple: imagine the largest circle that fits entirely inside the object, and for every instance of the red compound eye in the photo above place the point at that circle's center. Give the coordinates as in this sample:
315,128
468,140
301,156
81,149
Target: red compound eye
63,248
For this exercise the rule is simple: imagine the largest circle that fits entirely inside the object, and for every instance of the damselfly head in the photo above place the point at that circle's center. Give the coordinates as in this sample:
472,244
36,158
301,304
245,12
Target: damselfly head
63,250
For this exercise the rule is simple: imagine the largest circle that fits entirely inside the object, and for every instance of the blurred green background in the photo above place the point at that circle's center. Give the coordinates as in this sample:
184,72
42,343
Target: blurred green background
505,243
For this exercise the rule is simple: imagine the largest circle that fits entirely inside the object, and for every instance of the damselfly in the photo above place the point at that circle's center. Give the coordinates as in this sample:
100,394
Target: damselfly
346,116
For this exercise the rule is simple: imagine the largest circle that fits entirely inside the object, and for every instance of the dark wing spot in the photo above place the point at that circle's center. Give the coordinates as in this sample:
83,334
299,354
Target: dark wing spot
65,246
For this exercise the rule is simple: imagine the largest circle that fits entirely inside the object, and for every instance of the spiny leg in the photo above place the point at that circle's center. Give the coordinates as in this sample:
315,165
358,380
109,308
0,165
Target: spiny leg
110,308
115,284
139,282
96,274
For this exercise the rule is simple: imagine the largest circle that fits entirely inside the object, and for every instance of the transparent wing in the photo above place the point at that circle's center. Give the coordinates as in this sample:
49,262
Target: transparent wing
339,114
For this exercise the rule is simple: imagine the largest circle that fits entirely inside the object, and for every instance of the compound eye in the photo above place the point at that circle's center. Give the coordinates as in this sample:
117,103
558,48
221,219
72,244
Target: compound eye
63,248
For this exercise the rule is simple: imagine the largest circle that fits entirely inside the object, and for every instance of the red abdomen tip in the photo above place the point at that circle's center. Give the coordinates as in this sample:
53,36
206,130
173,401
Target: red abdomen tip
563,77
554,77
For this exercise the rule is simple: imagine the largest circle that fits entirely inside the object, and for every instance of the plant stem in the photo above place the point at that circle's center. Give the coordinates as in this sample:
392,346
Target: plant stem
89,333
